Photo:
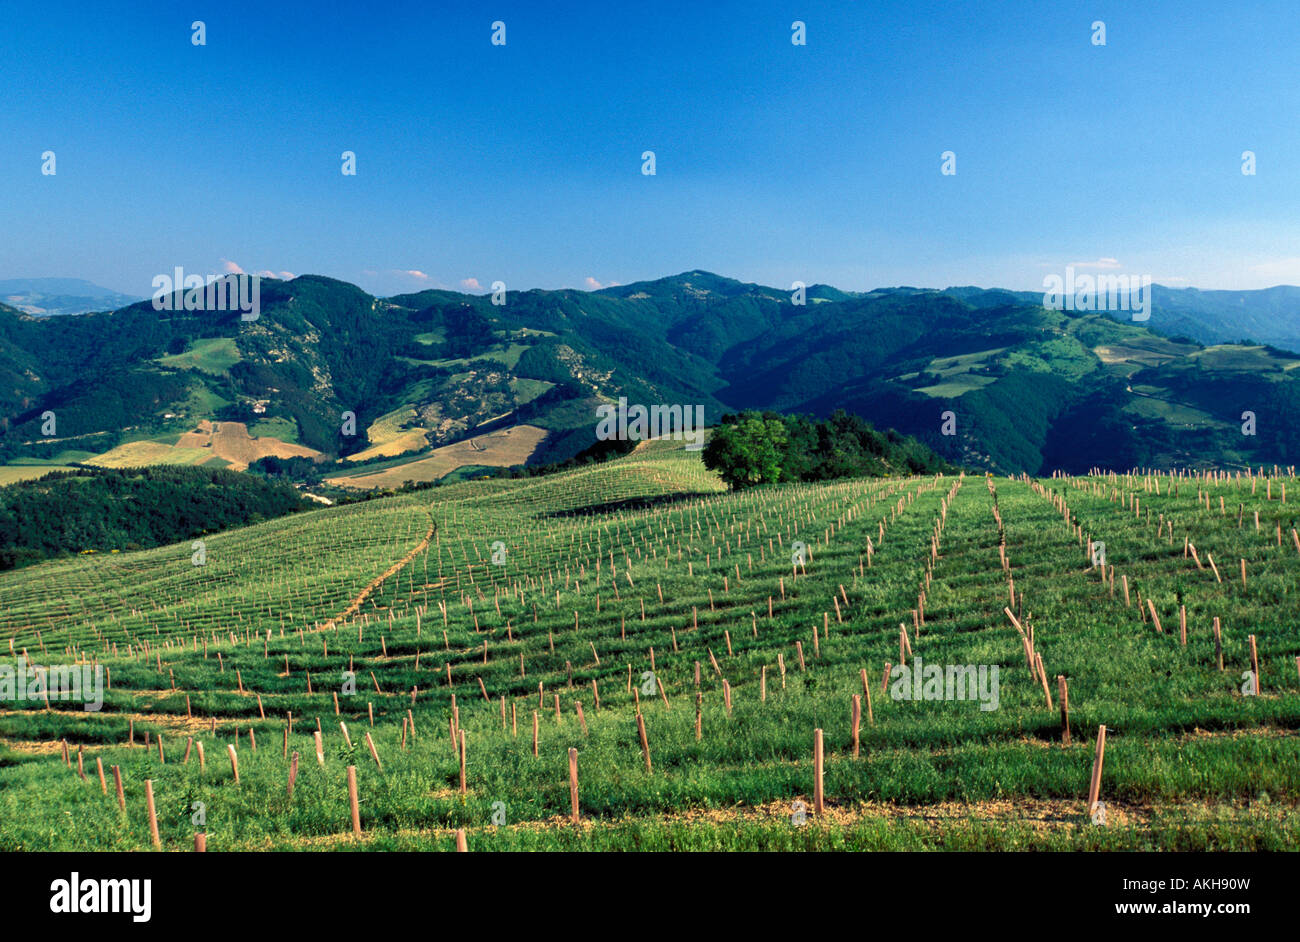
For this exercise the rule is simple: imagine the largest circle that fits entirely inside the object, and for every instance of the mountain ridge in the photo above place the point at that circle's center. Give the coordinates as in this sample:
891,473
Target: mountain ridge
425,370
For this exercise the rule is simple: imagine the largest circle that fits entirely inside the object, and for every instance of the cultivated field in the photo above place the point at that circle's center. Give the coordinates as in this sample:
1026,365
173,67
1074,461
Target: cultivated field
141,453
231,442
13,473
500,449
224,444
624,657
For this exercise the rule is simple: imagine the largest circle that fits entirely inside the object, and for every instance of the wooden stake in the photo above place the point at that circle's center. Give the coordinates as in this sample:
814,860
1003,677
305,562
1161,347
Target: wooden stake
856,713
1254,664
573,784
819,803
645,743
1064,691
1042,676
866,690
353,801
153,814
1094,787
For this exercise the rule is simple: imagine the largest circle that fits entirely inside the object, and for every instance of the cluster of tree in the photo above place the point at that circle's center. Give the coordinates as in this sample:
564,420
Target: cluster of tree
467,333
67,512
599,452
767,448
294,468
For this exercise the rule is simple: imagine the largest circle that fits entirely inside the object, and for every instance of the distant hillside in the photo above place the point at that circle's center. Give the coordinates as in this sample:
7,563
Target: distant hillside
55,296
366,386
1268,316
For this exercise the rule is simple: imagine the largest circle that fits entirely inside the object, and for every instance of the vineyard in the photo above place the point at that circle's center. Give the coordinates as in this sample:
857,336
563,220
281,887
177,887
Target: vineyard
629,657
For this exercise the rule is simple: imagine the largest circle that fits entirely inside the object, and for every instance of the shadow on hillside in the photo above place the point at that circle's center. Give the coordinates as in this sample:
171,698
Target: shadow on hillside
629,503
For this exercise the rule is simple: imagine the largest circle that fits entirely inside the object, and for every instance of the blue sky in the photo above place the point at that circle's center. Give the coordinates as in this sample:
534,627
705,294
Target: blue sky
774,162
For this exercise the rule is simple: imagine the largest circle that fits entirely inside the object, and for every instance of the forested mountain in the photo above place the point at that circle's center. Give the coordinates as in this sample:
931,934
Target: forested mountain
1028,389
1266,316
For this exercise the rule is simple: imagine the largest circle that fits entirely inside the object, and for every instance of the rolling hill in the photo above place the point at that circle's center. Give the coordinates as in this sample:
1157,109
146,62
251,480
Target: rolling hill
630,657
365,385
60,296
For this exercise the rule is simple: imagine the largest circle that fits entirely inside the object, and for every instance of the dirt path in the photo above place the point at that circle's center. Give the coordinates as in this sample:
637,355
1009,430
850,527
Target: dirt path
355,605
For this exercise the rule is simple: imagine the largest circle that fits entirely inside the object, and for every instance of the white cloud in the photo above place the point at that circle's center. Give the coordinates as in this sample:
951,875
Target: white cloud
471,284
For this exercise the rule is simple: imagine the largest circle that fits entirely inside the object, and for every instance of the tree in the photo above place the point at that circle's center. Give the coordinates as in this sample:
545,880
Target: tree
749,451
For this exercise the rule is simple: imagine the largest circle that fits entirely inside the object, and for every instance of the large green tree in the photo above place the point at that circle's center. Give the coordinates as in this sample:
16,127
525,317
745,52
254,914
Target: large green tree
766,448
748,451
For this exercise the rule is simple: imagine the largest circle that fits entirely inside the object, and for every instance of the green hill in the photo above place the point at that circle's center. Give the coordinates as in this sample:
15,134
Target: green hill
736,628
1029,389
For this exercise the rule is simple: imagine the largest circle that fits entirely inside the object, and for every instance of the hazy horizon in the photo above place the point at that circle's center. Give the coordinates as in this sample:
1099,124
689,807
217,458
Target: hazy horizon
485,289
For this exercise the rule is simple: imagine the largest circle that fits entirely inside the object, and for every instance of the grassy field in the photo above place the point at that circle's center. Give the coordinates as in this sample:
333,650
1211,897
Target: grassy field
393,434
500,449
285,430
13,473
214,355
138,454
231,442
575,603
215,444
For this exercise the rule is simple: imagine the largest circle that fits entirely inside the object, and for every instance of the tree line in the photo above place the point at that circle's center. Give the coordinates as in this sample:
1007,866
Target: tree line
104,509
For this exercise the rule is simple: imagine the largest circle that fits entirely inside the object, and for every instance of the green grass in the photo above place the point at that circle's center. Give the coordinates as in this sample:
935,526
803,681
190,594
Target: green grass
958,385
509,355
1191,763
286,430
213,355
526,390
22,471
1243,359
202,402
